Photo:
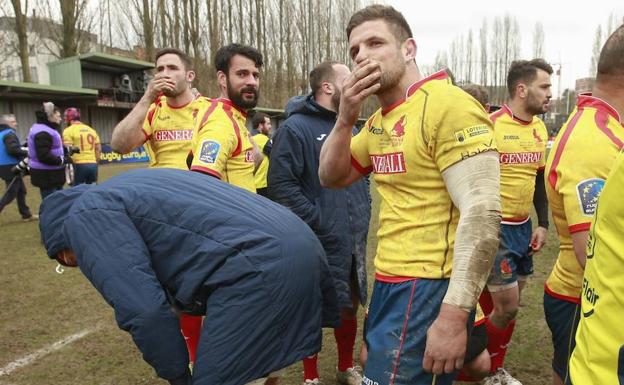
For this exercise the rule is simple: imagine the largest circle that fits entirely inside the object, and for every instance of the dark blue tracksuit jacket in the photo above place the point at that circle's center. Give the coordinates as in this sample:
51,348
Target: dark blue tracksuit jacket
150,240
339,217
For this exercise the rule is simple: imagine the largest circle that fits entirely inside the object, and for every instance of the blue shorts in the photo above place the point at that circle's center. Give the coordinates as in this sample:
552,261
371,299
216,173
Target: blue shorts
562,318
512,259
399,316
85,173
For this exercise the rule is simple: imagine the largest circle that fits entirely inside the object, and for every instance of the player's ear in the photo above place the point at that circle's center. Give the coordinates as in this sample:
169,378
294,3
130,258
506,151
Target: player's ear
222,79
190,76
409,49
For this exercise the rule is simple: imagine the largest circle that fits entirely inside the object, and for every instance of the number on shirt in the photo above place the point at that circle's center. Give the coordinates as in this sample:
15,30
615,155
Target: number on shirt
90,142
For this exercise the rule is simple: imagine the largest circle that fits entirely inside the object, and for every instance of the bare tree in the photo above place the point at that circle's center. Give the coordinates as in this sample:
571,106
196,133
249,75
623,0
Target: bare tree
21,25
596,51
484,52
538,40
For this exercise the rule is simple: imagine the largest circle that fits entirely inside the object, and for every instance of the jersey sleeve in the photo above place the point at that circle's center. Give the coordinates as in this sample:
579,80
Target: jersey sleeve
579,187
68,140
360,158
460,129
213,144
149,119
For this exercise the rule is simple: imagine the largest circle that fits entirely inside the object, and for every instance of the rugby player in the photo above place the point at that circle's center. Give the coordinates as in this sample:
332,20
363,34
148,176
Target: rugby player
80,135
262,123
433,157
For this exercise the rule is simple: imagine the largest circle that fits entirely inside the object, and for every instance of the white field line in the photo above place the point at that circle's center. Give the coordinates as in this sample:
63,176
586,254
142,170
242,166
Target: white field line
28,359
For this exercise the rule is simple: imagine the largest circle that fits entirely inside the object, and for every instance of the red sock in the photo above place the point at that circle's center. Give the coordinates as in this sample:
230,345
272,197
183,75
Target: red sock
345,341
464,377
498,339
191,328
485,300
310,370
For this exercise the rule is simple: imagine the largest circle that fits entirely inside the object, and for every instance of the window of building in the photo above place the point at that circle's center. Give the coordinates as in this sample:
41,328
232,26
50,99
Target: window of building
32,50
34,75
10,75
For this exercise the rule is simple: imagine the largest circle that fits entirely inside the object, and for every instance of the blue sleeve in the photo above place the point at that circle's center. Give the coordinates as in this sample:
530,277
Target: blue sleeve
113,256
285,175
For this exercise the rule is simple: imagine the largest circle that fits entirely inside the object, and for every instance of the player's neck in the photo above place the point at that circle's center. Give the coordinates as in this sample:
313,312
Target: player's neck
397,93
519,110
181,100
612,95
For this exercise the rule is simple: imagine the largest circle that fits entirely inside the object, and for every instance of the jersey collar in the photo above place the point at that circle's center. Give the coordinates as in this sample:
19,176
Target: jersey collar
229,103
587,100
509,112
440,75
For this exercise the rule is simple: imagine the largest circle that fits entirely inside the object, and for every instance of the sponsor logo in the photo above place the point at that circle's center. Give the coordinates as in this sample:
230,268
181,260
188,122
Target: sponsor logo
511,137
466,134
399,127
590,295
249,156
588,192
321,137
375,131
538,139
164,117
368,381
393,163
173,135
209,151
487,146
521,157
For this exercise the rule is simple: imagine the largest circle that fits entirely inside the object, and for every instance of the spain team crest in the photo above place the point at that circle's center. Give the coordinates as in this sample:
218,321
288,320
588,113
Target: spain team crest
588,192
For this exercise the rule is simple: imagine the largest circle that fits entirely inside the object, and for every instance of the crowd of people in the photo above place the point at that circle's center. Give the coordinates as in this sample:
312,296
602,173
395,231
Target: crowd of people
247,283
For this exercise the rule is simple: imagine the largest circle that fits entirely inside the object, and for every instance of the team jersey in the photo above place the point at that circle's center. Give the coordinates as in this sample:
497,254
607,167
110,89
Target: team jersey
261,172
578,164
168,131
84,137
221,145
522,149
598,358
407,146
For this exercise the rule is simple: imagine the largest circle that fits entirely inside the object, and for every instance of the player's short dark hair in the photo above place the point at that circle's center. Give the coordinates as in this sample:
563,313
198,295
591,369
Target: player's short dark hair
323,72
395,20
184,58
224,56
258,119
525,71
478,92
611,61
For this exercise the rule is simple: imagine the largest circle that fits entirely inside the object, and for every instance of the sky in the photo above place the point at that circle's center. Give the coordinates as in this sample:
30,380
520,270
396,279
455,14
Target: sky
569,27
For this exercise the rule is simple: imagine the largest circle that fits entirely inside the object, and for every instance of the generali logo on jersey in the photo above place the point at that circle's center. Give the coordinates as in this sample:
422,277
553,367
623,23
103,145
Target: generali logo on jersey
521,157
173,135
393,163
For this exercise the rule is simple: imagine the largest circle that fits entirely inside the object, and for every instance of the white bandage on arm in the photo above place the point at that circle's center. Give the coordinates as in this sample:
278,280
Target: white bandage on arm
474,187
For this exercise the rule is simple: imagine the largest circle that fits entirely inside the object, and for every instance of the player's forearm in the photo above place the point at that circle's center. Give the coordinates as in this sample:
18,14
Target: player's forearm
474,187
335,157
540,201
128,133
579,244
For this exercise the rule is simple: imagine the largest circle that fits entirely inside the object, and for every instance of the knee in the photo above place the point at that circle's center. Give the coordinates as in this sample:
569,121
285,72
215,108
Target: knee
348,313
480,366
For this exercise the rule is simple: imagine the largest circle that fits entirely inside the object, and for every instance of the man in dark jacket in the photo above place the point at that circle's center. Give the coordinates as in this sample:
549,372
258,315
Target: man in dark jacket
340,218
11,153
201,247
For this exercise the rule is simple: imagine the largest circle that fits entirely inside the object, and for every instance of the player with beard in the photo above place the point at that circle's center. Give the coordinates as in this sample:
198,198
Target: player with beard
221,145
165,116
339,218
432,154
521,138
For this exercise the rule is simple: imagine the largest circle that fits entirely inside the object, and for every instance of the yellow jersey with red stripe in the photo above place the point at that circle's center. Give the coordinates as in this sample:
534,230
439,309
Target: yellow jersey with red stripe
598,357
84,137
407,146
577,167
522,149
168,131
262,171
221,145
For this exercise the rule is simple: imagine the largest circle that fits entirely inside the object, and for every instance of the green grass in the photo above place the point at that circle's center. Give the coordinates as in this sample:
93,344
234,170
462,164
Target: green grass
40,307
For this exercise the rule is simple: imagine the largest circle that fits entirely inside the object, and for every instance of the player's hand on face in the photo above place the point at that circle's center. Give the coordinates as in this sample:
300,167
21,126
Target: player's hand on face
363,82
159,84
538,238
446,341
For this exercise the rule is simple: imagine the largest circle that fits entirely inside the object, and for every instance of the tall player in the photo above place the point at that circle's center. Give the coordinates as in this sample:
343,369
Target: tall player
80,135
593,133
432,154
521,139
164,119
262,123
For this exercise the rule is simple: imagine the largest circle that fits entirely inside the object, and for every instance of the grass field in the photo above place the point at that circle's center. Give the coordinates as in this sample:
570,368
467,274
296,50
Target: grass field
41,307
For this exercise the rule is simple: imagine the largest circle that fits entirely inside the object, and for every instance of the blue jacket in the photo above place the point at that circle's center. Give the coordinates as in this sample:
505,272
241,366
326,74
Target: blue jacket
153,239
339,217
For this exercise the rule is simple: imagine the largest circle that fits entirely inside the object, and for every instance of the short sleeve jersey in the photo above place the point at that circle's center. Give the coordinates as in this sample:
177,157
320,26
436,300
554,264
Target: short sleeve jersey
221,145
522,149
263,169
577,166
407,146
168,132
84,137
598,357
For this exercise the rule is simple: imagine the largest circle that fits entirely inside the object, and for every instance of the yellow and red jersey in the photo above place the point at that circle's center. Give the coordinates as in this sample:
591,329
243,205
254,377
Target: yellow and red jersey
221,145
262,171
598,357
407,146
522,148
577,167
168,131
84,137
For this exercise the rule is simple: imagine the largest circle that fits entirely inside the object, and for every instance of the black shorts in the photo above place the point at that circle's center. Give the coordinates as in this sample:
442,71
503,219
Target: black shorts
477,342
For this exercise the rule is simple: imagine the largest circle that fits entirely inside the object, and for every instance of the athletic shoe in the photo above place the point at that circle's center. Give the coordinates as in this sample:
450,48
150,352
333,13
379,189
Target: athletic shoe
31,218
351,376
492,379
506,378
315,381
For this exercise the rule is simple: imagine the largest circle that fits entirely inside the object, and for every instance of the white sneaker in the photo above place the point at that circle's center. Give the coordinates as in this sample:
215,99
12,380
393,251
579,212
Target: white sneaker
351,376
315,381
506,378
492,379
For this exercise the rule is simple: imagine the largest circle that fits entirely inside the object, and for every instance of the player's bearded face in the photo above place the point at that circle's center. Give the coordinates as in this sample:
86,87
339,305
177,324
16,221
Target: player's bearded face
180,85
539,94
392,70
335,98
245,97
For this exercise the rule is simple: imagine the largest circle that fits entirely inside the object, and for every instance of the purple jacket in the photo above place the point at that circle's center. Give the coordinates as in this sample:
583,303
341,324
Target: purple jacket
56,150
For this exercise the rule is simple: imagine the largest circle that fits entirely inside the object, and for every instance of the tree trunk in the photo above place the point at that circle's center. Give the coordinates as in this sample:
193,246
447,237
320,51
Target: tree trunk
21,25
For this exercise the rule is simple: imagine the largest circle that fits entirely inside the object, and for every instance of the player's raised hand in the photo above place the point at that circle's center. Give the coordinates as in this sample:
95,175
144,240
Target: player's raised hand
446,341
363,82
160,83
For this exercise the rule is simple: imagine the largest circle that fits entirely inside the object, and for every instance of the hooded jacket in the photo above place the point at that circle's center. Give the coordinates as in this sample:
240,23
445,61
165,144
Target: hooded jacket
339,217
45,149
201,246
11,151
